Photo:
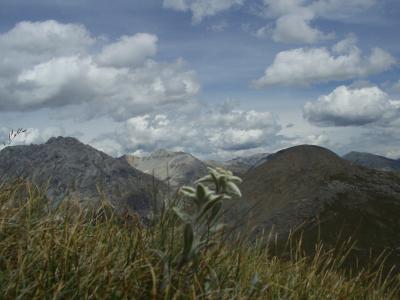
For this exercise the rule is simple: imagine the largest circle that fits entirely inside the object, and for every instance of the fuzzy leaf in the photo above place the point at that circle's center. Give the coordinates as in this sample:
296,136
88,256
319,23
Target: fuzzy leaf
188,191
233,188
207,207
235,179
207,178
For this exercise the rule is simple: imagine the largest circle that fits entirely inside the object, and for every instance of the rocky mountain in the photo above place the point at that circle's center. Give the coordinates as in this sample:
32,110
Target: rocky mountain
373,161
329,196
70,168
240,165
175,168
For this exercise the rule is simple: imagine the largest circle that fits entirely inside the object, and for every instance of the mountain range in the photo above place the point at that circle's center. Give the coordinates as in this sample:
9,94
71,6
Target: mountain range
180,168
306,187
373,161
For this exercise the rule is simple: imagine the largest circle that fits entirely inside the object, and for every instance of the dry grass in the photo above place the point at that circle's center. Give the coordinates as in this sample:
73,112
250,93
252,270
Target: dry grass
76,253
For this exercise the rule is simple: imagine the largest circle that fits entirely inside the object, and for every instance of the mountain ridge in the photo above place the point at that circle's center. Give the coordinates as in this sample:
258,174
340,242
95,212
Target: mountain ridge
373,161
76,170
173,168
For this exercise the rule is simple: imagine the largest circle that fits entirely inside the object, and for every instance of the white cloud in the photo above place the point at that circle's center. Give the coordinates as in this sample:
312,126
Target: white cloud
201,8
128,51
353,107
293,19
304,66
57,69
47,37
318,139
322,139
293,24
217,133
296,29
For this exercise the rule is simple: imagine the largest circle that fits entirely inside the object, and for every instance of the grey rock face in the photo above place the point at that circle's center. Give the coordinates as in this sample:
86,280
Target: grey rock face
71,169
373,161
175,168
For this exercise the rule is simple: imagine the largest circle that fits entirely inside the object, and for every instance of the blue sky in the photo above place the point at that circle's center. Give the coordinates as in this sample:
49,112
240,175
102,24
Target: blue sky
218,78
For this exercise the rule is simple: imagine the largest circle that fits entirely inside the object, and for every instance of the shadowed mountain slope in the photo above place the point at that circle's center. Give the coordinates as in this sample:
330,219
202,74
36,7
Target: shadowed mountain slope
313,186
72,169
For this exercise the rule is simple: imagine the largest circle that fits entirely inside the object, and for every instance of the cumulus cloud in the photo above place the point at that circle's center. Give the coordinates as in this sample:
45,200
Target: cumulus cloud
293,19
128,51
305,66
201,8
38,39
353,107
216,132
295,27
49,65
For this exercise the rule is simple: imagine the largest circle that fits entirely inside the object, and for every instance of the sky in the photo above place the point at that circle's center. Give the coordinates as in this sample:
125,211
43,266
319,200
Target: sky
216,78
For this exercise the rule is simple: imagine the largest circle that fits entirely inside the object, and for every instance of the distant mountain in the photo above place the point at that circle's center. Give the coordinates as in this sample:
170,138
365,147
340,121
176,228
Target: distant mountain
373,161
175,168
73,169
330,196
240,165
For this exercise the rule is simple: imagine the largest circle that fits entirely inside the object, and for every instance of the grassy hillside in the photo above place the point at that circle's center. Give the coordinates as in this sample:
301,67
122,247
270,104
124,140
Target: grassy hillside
76,253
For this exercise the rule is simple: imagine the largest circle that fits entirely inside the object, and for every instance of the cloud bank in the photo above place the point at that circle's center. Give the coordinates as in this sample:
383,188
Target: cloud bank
209,132
50,65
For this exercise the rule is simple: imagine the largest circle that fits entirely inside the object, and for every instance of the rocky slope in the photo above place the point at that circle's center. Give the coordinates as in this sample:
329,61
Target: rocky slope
330,196
373,161
72,169
175,168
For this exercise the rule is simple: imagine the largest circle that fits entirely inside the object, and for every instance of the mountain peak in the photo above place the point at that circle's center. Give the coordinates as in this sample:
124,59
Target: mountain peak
69,168
305,157
63,140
